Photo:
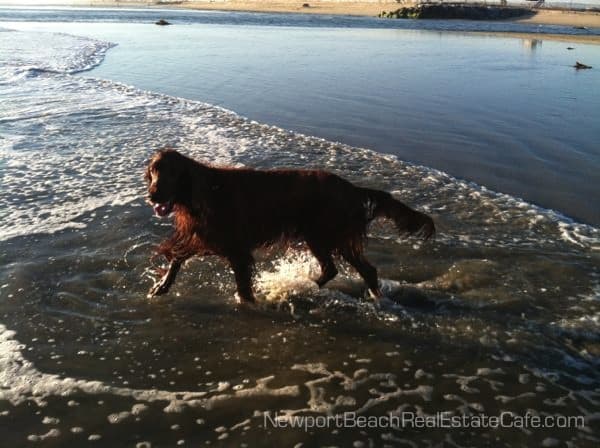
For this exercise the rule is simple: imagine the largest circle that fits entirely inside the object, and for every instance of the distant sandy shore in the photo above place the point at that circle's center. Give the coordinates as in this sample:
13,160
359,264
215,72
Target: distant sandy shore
373,8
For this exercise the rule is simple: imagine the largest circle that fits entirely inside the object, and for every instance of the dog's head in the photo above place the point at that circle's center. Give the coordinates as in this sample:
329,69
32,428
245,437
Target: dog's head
164,175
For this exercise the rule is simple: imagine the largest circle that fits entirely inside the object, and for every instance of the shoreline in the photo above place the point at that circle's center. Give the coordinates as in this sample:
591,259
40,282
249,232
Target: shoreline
373,8
595,40
587,19
334,7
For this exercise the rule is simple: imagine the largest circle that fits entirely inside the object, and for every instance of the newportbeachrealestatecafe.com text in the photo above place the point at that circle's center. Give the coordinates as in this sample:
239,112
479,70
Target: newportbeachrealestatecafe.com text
412,420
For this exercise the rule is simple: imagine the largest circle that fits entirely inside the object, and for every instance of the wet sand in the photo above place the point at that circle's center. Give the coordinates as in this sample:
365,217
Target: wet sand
542,36
573,18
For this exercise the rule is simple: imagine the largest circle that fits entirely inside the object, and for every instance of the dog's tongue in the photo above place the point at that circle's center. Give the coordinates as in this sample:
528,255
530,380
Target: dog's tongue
162,209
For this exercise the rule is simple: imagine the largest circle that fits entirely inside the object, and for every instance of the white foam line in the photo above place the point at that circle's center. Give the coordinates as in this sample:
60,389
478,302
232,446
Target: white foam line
319,403
91,53
21,381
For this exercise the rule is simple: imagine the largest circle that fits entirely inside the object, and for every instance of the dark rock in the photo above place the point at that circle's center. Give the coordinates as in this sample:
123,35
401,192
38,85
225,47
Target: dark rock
579,66
305,5
470,12
162,22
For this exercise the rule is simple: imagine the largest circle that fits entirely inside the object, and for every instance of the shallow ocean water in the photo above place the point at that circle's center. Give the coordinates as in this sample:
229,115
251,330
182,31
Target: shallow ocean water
510,114
500,313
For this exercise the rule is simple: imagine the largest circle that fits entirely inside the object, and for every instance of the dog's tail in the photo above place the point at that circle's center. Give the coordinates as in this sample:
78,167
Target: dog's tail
407,220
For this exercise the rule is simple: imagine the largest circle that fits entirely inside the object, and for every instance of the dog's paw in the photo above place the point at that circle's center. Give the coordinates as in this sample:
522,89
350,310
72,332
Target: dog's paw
374,295
159,288
239,300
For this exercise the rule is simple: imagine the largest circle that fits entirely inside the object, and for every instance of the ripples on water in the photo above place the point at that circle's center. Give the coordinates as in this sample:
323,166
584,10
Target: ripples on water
436,99
499,313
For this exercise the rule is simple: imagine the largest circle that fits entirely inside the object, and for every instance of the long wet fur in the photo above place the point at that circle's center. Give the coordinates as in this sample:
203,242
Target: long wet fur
229,212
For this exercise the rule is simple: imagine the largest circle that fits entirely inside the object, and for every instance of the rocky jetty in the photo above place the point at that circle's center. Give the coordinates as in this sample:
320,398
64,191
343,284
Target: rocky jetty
456,12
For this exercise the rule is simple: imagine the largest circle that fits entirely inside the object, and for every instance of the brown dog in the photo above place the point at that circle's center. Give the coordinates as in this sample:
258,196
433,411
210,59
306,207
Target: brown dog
230,212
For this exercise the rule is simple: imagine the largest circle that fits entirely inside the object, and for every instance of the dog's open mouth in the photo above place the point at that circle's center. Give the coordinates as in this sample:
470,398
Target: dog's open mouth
163,208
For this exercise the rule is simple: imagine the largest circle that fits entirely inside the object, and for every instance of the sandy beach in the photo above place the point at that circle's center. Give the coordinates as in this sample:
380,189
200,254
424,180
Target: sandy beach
547,17
588,19
370,8
373,8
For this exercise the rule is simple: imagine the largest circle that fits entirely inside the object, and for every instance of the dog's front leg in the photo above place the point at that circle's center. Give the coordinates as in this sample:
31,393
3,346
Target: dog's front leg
243,268
164,283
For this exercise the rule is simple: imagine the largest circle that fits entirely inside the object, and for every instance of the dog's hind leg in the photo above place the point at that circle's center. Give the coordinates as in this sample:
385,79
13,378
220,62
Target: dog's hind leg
366,270
243,269
164,283
323,256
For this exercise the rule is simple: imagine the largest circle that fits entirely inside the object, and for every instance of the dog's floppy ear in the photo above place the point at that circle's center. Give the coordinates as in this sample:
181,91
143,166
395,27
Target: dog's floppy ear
149,165
203,182
197,179
154,158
